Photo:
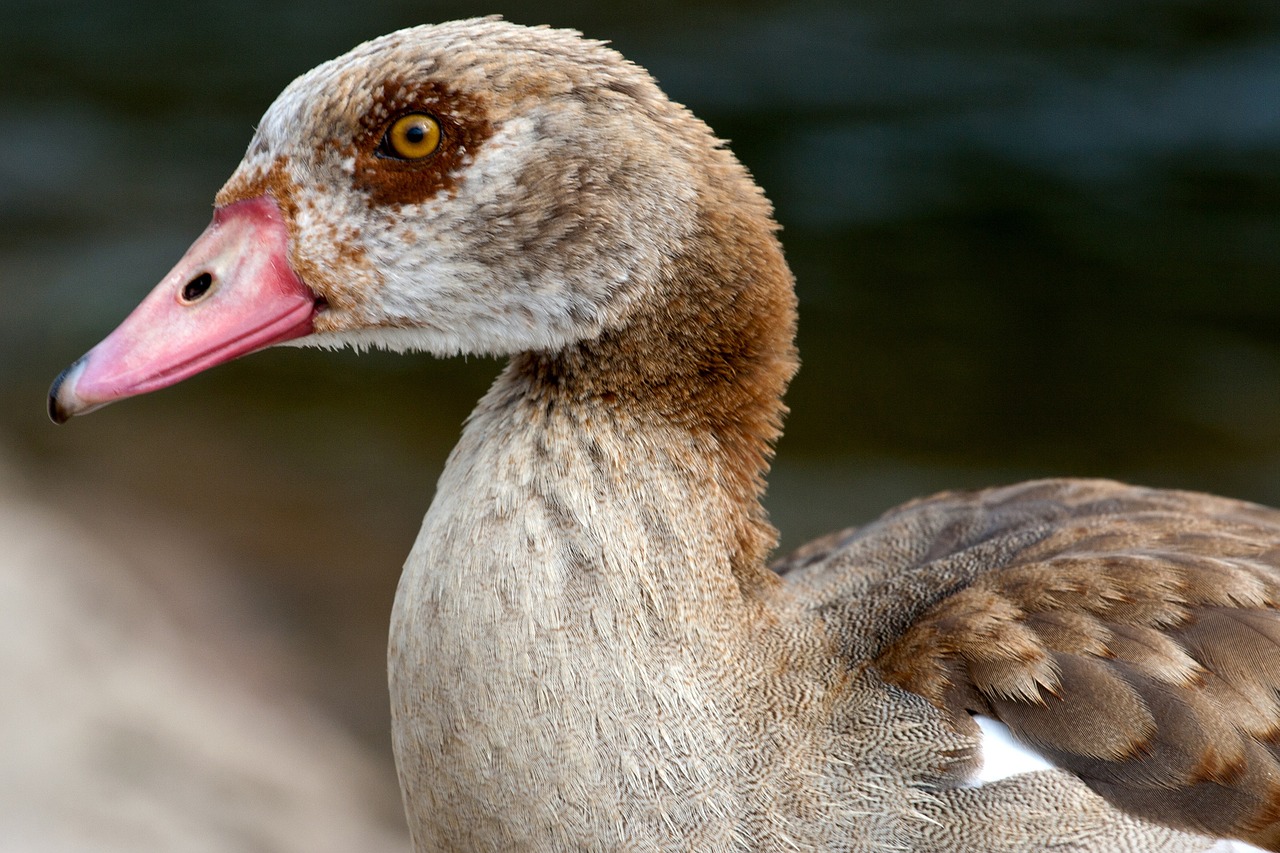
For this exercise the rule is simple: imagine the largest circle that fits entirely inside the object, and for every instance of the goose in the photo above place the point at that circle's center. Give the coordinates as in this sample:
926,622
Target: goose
589,648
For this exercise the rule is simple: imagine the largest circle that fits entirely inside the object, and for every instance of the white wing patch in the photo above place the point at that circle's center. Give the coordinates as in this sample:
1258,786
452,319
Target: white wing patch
1002,756
1231,846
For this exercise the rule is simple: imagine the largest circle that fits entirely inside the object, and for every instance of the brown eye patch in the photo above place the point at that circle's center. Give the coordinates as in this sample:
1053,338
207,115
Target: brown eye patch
462,123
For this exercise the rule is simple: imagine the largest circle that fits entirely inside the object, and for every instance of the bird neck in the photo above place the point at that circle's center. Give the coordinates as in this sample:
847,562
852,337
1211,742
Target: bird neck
591,570
703,371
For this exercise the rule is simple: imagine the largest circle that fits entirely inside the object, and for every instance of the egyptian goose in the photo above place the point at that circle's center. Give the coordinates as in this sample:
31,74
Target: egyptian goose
588,649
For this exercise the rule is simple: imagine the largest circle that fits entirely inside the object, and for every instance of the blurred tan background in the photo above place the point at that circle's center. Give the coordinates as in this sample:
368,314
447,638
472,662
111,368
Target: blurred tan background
1030,238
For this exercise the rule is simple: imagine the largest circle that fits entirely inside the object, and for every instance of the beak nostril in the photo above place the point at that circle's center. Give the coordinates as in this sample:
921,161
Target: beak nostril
197,287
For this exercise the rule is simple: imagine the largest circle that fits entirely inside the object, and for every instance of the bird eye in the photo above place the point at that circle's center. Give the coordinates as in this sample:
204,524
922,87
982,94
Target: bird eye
411,137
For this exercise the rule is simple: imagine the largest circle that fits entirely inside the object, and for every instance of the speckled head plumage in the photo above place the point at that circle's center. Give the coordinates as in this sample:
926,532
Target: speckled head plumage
564,183
572,213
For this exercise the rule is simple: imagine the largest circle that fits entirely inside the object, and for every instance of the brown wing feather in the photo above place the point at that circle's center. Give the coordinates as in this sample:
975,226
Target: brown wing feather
1131,635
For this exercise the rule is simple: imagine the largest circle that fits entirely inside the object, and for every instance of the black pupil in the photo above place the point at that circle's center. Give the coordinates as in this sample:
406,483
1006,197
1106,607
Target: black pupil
416,134
197,287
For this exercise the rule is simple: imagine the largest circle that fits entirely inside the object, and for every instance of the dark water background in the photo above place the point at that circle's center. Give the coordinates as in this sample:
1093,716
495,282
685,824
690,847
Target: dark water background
1031,238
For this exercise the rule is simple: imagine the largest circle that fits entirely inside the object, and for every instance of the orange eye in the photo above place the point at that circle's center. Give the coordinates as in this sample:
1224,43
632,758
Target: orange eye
412,137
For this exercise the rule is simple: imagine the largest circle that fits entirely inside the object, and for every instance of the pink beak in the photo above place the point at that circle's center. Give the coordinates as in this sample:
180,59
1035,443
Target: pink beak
232,293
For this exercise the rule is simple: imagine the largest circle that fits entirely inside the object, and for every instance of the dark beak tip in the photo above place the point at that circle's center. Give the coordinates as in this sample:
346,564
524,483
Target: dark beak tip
57,413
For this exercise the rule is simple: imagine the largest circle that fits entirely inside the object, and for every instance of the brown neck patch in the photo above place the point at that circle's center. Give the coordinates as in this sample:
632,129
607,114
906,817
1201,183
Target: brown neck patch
464,126
715,359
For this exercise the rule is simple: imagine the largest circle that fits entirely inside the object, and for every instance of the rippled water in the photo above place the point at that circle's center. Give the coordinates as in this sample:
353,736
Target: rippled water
1030,238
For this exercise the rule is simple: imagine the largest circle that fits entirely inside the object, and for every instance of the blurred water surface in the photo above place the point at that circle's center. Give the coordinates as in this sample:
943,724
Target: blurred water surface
1031,238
